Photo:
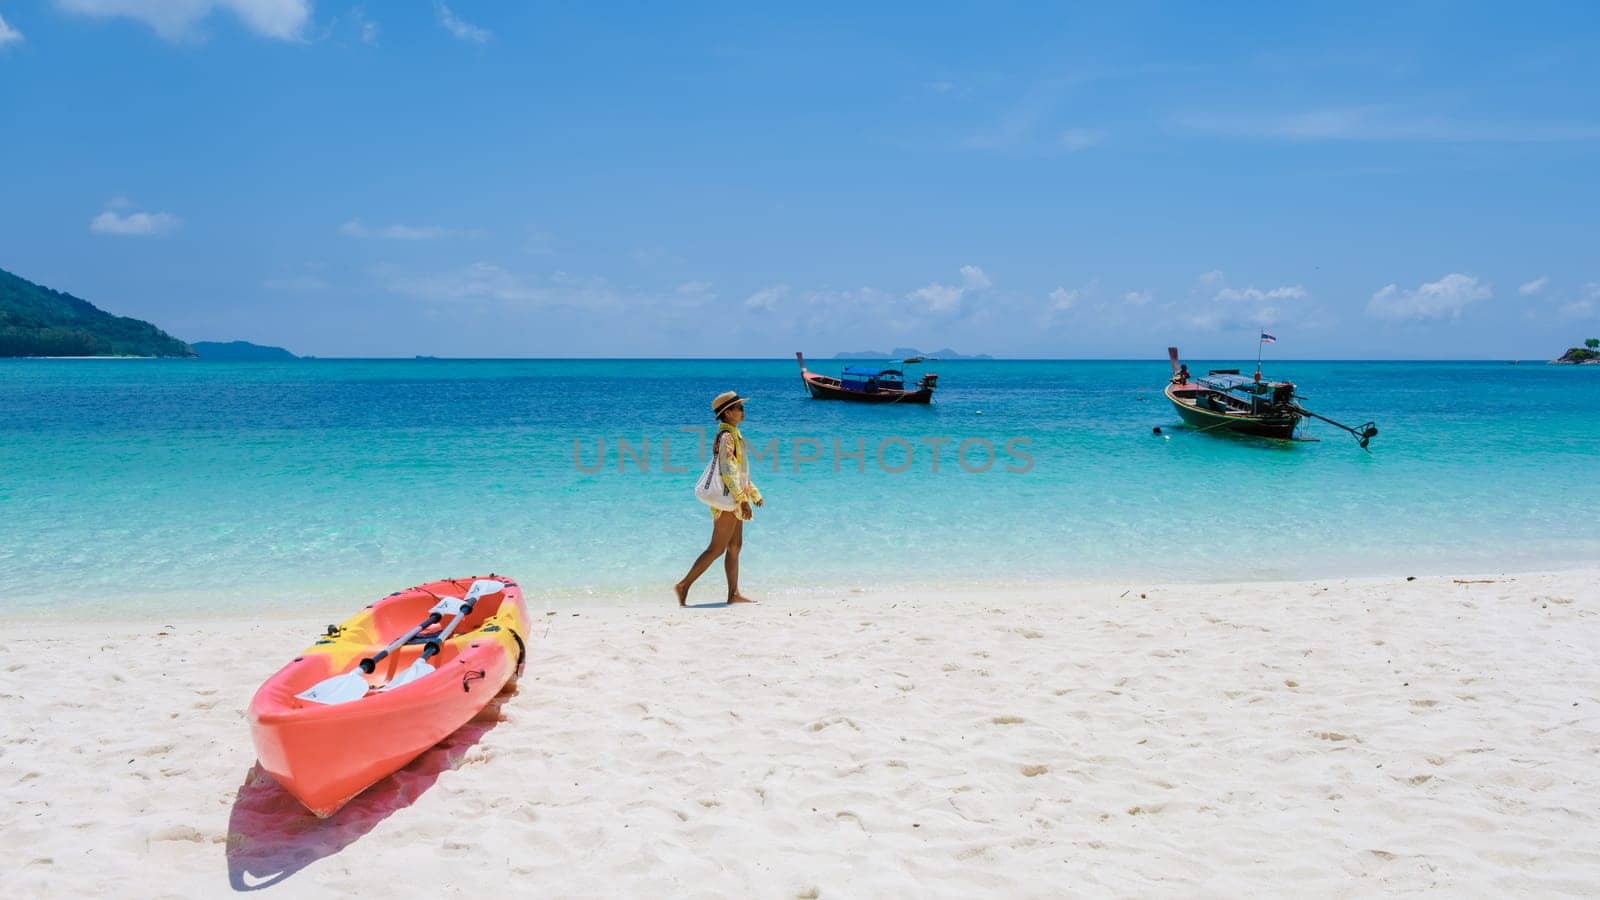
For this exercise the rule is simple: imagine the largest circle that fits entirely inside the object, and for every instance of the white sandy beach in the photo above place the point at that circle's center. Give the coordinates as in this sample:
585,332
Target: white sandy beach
1322,738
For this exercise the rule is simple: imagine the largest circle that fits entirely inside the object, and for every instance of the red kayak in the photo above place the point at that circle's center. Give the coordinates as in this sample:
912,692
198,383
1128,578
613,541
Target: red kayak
385,685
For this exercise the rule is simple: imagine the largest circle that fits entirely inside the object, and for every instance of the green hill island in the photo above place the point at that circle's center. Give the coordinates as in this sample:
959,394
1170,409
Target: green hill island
240,351
37,321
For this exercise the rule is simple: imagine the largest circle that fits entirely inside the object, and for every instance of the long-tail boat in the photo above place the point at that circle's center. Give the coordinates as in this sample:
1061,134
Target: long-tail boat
1223,399
884,383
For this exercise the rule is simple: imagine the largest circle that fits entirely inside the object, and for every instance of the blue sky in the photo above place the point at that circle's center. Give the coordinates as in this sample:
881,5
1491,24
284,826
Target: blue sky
1395,180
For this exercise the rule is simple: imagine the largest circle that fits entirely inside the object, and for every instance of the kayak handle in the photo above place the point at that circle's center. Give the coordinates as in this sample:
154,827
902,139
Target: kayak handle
433,645
370,664
461,609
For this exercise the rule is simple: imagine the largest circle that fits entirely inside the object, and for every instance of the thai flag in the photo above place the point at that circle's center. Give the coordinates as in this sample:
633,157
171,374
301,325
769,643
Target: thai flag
1267,338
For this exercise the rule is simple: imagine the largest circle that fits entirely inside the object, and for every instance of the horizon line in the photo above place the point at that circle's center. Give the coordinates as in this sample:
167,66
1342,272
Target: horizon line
1006,359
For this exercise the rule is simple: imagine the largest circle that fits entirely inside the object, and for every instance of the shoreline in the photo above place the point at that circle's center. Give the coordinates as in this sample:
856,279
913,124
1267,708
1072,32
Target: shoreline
1374,735
343,605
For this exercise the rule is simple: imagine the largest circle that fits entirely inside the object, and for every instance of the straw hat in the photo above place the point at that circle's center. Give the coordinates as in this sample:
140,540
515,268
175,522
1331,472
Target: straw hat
725,400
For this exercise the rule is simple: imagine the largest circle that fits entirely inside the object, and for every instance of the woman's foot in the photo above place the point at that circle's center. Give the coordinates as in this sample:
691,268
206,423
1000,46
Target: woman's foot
682,590
740,598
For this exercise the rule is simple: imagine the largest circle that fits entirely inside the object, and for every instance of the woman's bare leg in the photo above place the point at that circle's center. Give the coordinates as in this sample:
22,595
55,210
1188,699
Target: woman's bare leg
722,528
730,564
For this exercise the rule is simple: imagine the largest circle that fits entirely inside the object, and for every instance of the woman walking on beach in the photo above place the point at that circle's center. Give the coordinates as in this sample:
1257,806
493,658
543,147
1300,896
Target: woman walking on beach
727,526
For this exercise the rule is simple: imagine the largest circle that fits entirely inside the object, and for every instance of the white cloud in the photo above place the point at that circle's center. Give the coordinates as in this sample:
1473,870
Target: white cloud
767,298
1063,299
488,289
1031,123
1535,286
1380,123
488,285
1216,305
365,27
539,242
8,35
1586,306
1026,123
1440,299
1074,139
696,289
1138,298
1254,294
460,28
176,19
479,281
944,298
847,315
357,229
656,258
296,284
939,297
132,224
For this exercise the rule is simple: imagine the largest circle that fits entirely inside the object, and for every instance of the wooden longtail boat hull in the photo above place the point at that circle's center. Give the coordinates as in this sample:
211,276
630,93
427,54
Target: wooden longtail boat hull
824,388
1183,399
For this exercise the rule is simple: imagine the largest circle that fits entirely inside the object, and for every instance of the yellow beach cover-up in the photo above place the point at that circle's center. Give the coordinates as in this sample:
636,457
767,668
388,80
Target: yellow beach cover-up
734,463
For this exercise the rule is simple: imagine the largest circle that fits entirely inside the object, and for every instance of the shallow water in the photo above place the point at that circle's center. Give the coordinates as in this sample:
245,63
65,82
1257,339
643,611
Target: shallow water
202,486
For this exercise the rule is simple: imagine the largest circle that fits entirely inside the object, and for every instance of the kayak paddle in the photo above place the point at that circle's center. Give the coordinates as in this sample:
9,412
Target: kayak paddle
352,685
460,609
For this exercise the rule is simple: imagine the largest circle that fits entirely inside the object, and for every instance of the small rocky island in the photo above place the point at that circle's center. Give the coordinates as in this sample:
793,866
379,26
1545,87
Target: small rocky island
1587,355
908,353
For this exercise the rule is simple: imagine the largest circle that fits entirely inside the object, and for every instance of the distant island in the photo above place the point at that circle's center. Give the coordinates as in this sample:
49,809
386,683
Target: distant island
240,351
37,321
1587,355
907,353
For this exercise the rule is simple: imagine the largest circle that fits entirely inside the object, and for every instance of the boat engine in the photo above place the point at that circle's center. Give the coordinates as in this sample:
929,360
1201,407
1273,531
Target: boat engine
929,381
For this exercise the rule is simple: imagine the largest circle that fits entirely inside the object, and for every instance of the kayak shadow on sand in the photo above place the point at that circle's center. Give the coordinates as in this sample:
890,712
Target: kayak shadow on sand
271,836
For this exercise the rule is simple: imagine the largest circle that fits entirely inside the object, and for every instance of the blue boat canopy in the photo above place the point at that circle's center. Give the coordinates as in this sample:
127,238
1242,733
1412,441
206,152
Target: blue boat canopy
1223,381
1227,381
867,378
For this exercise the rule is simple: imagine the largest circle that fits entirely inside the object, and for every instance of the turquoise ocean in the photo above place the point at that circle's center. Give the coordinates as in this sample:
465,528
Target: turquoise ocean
137,486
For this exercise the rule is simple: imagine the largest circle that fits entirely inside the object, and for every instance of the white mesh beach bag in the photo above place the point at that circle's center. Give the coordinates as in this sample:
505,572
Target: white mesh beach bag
711,489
